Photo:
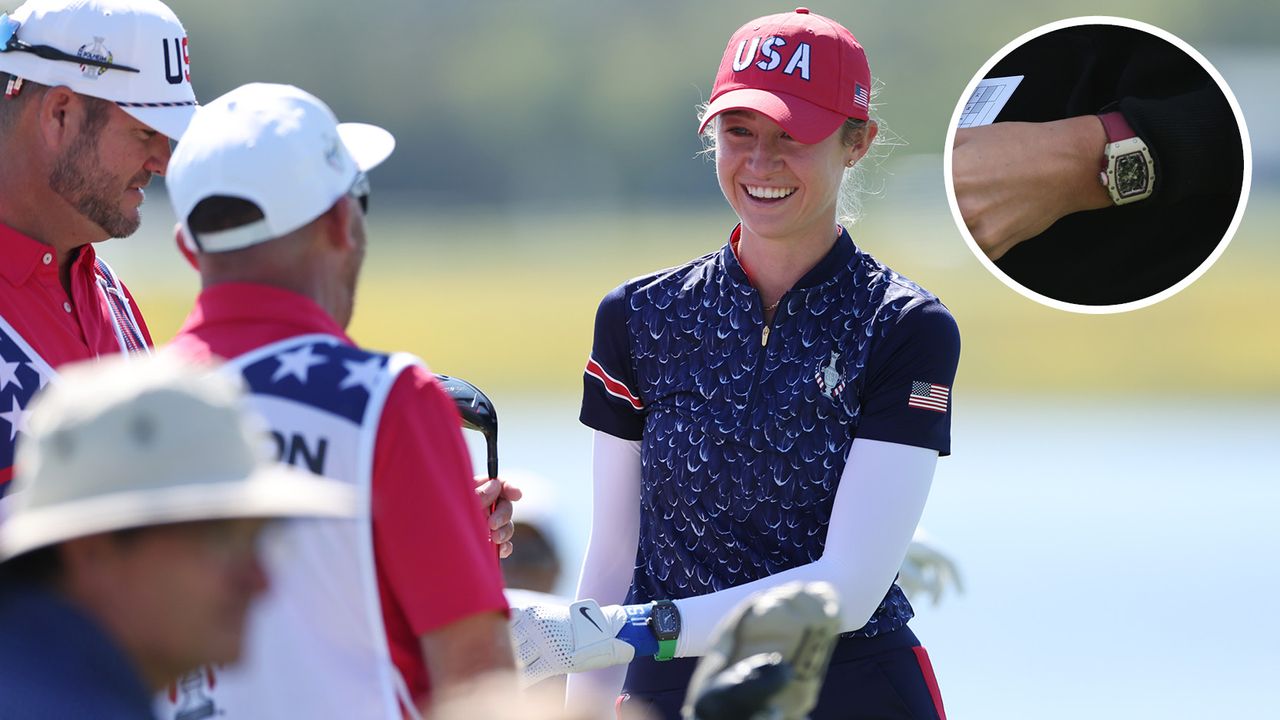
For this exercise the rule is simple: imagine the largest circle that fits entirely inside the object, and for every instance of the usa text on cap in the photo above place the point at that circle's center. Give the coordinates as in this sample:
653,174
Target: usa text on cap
804,71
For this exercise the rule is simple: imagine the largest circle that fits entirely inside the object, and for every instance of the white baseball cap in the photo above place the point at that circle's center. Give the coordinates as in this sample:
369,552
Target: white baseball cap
124,443
276,146
42,39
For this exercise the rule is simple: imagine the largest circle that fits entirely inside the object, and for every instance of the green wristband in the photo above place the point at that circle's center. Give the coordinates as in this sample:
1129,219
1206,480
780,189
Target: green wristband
666,650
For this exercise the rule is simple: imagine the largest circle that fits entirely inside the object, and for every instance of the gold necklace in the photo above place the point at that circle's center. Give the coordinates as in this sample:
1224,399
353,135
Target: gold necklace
773,306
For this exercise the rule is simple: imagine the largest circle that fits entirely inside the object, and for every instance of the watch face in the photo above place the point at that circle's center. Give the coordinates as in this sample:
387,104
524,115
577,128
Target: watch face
666,622
1131,174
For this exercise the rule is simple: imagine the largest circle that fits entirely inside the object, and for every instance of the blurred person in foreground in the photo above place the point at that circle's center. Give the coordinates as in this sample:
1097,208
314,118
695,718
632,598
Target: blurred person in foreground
370,618
772,411
490,699
94,91
128,549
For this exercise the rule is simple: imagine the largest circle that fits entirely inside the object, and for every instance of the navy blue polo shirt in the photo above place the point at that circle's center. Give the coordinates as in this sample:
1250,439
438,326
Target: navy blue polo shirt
744,434
57,662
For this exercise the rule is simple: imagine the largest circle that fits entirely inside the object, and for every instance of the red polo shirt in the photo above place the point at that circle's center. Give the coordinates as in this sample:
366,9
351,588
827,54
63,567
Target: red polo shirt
435,564
59,328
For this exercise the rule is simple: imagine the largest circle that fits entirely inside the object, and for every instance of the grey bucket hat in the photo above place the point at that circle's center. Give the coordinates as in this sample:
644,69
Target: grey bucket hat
119,443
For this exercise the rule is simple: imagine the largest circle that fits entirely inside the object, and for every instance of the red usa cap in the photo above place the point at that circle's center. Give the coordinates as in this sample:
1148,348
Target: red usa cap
804,71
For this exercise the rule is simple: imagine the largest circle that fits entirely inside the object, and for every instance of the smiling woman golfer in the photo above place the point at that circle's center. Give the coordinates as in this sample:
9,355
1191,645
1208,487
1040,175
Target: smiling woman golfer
771,411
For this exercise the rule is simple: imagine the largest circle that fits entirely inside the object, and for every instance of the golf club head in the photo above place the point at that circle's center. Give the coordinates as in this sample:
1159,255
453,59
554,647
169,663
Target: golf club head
477,413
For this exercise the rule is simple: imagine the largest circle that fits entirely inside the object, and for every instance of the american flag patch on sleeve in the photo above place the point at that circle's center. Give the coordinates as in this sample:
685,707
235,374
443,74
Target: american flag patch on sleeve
928,396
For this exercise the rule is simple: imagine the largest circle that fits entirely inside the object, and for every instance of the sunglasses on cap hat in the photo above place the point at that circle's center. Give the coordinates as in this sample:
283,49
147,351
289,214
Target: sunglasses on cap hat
9,42
360,191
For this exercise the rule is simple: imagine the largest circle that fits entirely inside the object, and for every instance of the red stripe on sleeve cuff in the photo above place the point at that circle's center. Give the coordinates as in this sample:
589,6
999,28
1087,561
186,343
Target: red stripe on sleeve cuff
612,385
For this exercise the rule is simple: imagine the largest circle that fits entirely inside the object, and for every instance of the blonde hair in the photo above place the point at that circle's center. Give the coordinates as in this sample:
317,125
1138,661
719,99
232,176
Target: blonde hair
856,184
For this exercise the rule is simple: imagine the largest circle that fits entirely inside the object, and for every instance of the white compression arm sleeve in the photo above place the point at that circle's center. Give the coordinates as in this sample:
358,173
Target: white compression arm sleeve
876,509
611,551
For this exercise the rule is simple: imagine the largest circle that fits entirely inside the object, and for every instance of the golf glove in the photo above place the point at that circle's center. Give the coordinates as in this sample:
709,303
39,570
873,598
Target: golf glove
555,640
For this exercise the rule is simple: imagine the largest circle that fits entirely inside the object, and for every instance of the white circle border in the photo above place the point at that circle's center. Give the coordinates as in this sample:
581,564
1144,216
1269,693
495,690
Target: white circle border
1097,309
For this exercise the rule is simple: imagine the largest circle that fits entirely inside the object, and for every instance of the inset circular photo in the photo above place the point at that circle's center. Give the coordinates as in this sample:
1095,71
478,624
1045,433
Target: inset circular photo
1097,164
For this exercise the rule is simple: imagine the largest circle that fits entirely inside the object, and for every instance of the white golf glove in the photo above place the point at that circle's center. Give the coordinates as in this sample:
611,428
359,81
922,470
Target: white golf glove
555,640
927,570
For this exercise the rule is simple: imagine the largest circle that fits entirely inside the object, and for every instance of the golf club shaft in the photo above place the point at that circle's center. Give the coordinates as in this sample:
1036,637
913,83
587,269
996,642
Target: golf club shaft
477,413
491,443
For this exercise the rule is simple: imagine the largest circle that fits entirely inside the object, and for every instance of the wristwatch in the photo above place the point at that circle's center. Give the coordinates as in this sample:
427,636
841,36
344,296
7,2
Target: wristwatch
1128,171
664,623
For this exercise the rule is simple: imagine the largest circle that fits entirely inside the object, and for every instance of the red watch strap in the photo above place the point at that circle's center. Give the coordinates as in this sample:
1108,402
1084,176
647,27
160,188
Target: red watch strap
1116,127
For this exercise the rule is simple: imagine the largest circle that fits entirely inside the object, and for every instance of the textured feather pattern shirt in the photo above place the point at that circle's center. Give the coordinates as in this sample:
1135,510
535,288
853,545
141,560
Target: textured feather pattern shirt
744,433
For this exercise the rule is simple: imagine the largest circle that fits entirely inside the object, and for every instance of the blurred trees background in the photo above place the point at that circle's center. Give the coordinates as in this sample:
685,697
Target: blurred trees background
565,103
547,153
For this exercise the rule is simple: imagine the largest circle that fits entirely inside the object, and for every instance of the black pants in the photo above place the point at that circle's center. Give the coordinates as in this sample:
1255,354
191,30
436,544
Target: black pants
887,677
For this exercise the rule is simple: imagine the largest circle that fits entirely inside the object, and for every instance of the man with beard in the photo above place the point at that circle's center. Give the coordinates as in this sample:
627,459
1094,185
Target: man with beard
378,617
95,91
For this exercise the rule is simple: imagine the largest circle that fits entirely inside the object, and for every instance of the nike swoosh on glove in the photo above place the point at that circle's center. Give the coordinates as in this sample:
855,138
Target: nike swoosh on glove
555,640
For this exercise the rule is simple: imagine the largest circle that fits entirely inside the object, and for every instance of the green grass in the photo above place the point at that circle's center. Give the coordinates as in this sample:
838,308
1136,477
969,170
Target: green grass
509,302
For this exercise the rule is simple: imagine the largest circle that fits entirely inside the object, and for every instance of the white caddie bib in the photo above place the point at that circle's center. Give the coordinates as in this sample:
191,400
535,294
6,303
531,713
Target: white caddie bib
316,645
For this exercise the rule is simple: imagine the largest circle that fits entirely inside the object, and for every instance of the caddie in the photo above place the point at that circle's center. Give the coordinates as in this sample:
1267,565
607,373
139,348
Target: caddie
370,619
94,93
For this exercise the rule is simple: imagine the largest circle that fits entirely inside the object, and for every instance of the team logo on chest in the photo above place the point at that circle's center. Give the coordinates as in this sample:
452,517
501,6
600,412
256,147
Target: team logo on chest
190,695
830,381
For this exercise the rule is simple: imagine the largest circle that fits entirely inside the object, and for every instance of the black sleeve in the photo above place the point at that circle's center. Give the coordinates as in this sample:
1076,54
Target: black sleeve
907,398
610,400
1170,101
1194,140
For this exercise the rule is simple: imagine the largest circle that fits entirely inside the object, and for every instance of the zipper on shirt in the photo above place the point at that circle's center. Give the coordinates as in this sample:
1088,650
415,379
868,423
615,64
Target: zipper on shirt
767,326
765,331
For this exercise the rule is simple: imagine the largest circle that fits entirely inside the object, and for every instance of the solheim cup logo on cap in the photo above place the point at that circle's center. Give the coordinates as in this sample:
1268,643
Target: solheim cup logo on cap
95,51
770,51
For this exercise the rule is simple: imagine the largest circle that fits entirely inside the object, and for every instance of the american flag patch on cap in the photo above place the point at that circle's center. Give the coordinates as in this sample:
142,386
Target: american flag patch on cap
929,396
860,95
